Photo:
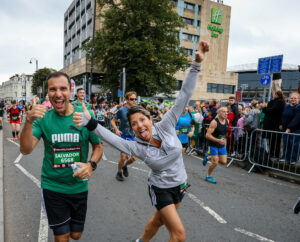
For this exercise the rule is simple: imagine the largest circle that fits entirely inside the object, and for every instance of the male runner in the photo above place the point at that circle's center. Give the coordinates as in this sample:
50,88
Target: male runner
80,93
2,108
216,135
64,194
125,132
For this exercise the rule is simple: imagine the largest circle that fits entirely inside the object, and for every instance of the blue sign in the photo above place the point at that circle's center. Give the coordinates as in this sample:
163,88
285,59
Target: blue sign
276,64
265,80
120,93
263,65
270,64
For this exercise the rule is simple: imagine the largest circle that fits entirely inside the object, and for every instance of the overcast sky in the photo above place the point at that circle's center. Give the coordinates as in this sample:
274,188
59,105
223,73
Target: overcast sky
34,28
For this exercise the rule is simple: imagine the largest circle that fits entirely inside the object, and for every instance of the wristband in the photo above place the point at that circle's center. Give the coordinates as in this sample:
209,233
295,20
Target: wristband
92,124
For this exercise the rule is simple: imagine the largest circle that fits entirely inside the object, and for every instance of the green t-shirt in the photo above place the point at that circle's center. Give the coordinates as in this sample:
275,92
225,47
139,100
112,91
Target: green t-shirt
64,144
79,104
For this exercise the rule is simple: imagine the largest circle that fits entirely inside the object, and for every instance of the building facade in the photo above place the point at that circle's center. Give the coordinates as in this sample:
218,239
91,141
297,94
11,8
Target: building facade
18,88
249,80
205,20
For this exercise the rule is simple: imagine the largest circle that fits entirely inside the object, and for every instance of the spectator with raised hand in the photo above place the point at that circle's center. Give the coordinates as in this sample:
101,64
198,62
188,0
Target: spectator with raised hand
273,114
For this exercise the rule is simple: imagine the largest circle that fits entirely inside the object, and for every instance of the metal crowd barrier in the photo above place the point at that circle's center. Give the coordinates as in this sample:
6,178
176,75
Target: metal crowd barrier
237,145
275,150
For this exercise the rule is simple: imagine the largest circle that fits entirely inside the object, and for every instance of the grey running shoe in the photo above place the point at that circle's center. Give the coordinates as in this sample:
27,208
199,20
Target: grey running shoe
139,240
119,176
297,206
125,171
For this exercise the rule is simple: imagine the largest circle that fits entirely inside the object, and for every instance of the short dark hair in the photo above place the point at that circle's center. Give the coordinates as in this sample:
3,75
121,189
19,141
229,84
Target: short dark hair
79,89
232,97
57,74
160,99
137,109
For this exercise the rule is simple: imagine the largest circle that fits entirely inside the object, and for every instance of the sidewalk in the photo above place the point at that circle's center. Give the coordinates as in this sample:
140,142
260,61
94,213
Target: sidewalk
1,189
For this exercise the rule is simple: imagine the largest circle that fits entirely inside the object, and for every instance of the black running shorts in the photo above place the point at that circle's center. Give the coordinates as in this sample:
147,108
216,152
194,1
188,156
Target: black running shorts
66,212
162,197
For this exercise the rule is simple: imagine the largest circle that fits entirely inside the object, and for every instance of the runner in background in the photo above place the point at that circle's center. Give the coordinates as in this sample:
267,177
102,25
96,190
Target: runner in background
15,120
125,132
21,106
47,103
216,135
2,109
80,94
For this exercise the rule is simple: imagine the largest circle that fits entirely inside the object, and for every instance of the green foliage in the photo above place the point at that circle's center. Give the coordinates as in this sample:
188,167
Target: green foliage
38,78
143,37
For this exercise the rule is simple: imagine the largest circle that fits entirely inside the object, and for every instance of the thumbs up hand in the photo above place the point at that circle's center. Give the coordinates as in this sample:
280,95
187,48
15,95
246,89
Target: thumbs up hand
37,111
81,119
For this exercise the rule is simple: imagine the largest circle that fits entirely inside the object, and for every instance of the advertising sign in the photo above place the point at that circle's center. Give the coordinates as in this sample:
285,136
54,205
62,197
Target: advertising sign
238,96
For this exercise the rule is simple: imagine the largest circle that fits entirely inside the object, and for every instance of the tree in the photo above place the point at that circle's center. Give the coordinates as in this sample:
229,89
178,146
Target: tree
143,37
39,78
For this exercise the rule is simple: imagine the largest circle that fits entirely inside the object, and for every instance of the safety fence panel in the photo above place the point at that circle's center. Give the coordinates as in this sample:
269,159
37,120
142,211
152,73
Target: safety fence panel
275,150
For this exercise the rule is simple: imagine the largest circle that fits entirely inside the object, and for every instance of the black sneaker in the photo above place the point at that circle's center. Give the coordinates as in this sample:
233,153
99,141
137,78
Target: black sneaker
125,171
119,176
297,206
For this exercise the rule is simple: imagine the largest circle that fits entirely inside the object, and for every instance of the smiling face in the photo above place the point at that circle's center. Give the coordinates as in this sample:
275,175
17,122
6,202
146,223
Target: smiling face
294,99
141,126
81,95
59,93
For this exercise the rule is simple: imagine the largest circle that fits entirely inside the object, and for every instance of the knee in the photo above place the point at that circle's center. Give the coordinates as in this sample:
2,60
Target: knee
76,236
179,235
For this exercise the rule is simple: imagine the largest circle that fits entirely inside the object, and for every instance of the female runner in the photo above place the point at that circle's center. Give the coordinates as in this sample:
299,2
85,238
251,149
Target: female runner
159,147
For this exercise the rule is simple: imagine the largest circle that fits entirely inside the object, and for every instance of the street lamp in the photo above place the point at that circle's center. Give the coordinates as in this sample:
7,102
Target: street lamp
36,62
36,68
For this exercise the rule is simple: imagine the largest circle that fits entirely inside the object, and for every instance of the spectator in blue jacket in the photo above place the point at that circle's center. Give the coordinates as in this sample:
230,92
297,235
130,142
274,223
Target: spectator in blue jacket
291,124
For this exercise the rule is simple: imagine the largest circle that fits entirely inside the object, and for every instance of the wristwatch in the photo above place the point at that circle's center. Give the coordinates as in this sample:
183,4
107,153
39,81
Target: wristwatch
94,164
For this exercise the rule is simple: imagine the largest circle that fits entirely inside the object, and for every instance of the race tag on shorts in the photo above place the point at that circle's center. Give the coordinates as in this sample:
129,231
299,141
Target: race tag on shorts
63,157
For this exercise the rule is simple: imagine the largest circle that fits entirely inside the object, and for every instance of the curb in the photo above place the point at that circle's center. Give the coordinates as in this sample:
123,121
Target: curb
1,189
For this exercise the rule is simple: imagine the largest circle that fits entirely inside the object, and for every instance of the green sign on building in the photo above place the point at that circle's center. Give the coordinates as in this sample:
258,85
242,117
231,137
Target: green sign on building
216,16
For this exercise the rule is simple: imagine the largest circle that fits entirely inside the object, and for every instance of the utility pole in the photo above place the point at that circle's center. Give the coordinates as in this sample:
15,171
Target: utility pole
93,47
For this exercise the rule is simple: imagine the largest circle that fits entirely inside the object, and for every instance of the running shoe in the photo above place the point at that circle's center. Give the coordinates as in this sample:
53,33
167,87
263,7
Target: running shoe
139,240
210,179
13,139
297,206
205,158
18,136
125,171
119,176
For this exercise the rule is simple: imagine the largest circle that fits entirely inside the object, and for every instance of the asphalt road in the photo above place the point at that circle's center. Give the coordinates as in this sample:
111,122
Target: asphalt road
240,207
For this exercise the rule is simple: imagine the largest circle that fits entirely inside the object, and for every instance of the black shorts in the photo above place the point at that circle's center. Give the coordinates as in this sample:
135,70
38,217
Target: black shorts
186,145
65,212
162,197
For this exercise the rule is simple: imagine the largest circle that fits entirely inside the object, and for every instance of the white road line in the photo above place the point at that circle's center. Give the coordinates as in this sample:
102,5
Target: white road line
18,159
104,157
43,228
31,177
256,236
10,140
206,208
43,231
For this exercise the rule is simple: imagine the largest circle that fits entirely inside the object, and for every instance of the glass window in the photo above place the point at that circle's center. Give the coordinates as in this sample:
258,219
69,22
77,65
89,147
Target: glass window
189,6
188,51
220,88
189,21
198,23
187,36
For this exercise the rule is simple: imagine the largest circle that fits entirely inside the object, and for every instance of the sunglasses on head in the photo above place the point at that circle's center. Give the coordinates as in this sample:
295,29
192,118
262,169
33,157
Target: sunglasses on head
132,99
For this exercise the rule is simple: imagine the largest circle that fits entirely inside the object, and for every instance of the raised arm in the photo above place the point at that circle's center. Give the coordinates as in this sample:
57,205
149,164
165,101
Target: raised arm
170,119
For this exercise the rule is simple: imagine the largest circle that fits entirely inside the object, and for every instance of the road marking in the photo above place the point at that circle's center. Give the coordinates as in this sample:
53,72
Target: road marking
18,159
10,140
104,157
31,177
256,236
43,228
43,231
206,208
